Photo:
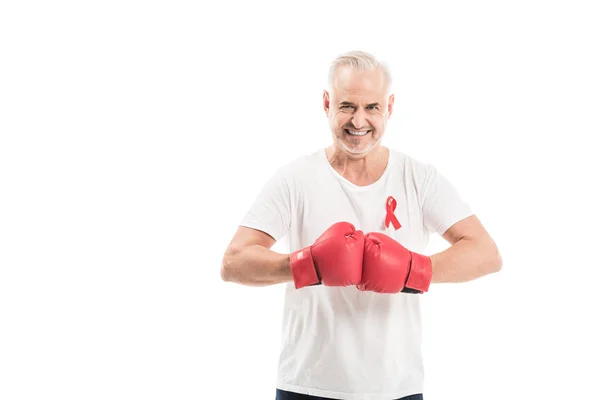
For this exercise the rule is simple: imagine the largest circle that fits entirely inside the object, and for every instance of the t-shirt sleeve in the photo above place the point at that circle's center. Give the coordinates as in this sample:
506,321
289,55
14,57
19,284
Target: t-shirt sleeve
442,205
271,210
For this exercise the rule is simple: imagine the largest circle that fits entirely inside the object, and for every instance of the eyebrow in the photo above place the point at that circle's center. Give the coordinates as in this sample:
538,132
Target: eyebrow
347,103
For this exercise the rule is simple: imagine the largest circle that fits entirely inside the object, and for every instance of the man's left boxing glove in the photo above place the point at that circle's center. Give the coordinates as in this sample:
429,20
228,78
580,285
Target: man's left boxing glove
334,259
388,267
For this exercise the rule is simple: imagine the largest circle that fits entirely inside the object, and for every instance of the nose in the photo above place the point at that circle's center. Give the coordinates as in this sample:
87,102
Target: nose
358,118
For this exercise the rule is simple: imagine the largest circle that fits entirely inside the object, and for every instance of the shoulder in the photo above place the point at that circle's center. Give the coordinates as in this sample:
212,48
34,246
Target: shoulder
412,167
301,166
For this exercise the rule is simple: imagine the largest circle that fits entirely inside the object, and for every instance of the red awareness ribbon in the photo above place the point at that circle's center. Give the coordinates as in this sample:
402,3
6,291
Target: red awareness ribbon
390,206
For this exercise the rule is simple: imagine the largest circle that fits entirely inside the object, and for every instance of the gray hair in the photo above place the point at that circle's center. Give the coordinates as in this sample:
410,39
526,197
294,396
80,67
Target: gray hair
361,61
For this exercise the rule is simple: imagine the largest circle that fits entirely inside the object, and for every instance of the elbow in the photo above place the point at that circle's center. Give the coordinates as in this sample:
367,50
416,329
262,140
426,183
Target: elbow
495,265
224,272
493,257
226,268
226,265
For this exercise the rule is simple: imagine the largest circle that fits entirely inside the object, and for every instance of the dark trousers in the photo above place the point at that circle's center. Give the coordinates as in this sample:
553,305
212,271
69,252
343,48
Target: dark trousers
283,395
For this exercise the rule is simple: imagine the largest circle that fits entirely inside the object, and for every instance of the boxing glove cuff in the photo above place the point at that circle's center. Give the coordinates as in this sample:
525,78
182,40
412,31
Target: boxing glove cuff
303,268
420,273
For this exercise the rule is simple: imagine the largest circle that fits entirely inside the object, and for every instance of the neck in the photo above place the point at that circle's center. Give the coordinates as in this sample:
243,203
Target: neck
360,171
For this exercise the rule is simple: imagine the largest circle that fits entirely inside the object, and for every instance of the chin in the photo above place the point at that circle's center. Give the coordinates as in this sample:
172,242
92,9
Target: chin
358,152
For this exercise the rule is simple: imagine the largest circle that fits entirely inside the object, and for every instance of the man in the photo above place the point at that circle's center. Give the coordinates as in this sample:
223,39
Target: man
357,215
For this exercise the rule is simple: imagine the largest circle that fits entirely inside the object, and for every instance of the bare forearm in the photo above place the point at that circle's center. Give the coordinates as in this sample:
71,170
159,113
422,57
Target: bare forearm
256,266
465,260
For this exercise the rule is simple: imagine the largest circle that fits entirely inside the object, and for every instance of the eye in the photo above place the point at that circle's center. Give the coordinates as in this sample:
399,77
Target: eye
345,106
372,107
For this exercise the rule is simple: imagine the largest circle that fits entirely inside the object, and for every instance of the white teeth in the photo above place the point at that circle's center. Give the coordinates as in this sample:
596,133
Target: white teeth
357,133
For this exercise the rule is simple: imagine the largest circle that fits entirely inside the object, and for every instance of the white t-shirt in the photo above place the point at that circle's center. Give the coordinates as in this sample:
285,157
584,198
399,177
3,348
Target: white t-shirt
339,342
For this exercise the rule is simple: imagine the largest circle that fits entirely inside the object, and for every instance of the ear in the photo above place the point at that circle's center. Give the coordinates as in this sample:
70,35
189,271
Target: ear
326,102
390,105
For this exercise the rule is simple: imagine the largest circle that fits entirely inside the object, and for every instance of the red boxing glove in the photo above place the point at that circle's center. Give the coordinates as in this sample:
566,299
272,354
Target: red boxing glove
388,267
335,258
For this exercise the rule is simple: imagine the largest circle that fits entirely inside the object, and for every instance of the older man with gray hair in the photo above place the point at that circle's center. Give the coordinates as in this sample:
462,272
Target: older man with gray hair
357,216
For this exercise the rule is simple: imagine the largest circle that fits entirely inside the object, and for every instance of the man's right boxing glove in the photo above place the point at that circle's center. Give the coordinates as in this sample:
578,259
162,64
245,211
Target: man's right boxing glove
334,259
389,267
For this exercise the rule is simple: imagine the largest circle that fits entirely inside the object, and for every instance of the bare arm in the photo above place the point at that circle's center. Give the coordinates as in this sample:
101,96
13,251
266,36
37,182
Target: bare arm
249,261
472,253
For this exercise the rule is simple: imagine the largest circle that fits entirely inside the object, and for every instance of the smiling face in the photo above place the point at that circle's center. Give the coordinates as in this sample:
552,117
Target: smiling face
358,108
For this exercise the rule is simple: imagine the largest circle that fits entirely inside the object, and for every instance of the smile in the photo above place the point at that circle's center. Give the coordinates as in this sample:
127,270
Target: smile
356,133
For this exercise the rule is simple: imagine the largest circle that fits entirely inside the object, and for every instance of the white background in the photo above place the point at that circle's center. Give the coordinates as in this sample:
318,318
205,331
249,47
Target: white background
135,135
